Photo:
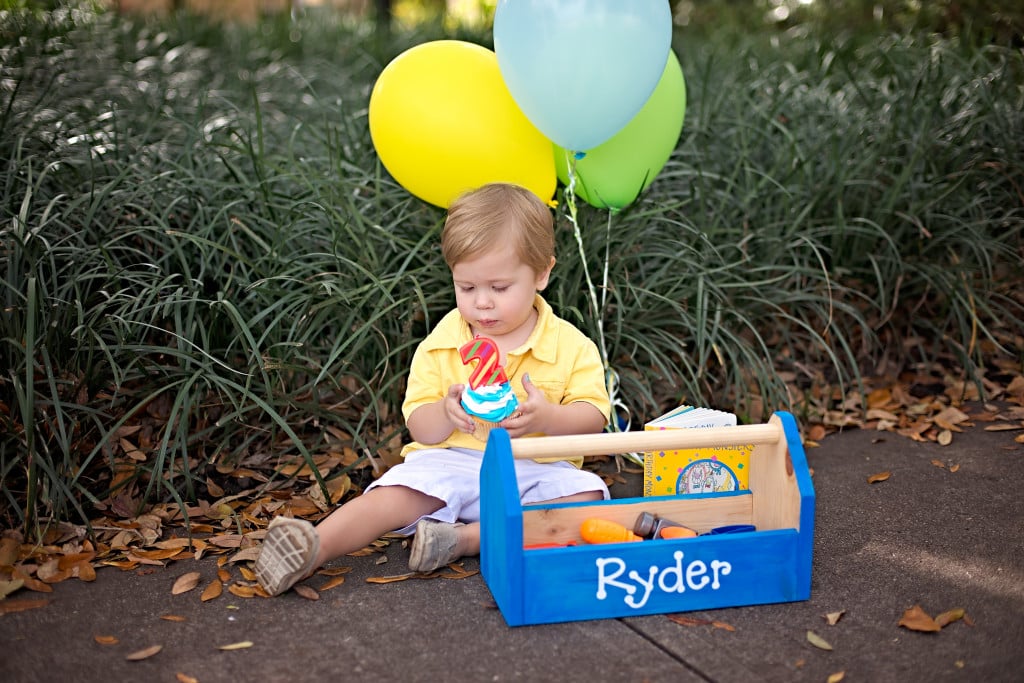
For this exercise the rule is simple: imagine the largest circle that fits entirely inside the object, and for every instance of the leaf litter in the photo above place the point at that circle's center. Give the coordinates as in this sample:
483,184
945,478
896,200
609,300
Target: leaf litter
925,403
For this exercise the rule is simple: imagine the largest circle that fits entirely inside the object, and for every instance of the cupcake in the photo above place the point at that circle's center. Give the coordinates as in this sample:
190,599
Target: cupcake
489,397
489,405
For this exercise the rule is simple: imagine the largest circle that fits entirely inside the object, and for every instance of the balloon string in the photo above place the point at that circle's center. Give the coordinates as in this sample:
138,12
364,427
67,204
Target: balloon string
611,376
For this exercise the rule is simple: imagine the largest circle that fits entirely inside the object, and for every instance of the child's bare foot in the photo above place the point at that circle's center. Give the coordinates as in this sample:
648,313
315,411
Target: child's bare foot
288,554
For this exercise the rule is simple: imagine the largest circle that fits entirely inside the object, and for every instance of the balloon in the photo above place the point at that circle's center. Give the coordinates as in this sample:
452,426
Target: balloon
614,173
443,122
581,69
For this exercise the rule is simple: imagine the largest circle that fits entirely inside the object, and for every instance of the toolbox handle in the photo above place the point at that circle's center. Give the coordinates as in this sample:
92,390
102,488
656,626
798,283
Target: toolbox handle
608,443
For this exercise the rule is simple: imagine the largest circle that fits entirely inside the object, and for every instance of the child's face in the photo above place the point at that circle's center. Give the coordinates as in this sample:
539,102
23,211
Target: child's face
494,292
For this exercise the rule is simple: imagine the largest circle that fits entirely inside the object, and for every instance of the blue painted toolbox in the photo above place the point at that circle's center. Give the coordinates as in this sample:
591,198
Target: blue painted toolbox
569,580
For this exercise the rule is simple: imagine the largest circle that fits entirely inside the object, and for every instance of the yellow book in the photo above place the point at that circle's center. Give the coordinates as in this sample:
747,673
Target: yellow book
687,471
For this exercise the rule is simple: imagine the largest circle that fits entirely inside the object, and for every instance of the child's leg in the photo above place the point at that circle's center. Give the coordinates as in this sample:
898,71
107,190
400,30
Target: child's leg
293,548
366,518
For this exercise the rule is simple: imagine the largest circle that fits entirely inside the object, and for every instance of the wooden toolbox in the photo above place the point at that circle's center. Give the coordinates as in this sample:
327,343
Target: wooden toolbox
574,581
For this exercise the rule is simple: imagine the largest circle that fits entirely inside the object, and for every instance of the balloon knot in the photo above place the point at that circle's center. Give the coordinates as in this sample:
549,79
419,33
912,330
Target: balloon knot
579,155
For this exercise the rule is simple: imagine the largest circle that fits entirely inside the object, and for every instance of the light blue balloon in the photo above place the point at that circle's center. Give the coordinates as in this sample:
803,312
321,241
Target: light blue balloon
581,69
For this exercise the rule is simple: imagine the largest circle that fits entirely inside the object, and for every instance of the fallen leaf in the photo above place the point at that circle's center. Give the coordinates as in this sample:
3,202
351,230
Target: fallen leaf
172,617
916,619
145,653
836,677
954,468
391,579
236,646
9,550
949,616
213,591
879,476
817,641
242,591
182,678
8,587
332,583
722,625
185,583
945,437
683,620
1003,427
306,592
832,618
938,463
106,640
22,604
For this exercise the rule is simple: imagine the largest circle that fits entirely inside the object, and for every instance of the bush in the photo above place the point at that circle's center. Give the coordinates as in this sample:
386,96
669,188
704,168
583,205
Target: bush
206,267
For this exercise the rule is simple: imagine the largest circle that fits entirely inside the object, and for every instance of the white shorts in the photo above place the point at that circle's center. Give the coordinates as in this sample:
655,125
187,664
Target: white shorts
453,476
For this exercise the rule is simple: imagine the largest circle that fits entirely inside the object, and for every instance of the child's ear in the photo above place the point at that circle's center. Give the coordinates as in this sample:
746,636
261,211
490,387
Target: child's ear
542,278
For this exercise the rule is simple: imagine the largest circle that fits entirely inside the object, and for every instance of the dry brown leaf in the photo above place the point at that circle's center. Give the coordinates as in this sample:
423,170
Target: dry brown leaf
817,641
106,640
22,604
213,591
236,646
939,464
684,620
832,618
949,616
84,571
333,582
29,582
9,551
836,677
1004,427
954,468
306,591
145,653
172,617
945,437
185,583
391,579
879,476
723,625
8,587
183,678
916,619
334,571
242,591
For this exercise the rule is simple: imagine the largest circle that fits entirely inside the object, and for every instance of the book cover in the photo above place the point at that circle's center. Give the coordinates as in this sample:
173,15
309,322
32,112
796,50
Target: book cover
695,470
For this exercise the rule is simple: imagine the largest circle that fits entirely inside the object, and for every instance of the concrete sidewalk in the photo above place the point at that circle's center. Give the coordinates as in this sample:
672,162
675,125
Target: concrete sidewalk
926,536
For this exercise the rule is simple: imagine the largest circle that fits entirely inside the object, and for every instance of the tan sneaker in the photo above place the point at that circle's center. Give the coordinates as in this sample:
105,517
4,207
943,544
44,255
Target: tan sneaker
434,545
288,554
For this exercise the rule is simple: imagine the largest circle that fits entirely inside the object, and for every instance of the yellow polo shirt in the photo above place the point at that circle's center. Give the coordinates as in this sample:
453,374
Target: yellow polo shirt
560,360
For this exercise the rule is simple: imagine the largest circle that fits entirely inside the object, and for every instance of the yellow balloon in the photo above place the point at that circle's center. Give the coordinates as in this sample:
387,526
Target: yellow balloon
443,122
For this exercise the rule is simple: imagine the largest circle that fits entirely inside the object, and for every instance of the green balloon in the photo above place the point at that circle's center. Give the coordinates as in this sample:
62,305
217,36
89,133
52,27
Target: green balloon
613,174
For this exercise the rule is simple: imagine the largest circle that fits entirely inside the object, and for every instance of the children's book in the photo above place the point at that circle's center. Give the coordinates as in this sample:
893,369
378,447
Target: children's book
690,471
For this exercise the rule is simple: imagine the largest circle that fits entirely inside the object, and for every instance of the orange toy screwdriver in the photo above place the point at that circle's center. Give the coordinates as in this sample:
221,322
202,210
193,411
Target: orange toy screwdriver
604,531
676,532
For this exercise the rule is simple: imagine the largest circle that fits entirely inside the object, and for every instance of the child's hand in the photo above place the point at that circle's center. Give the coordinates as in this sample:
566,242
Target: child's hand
454,411
532,415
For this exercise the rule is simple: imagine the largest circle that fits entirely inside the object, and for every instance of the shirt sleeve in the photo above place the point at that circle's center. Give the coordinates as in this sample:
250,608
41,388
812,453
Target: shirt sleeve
424,383
587,379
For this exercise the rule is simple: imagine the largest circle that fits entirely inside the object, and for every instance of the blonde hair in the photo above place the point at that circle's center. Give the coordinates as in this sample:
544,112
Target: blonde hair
496,215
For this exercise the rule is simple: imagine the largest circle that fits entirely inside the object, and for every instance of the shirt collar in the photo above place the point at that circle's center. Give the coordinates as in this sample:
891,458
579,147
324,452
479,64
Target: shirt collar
453,331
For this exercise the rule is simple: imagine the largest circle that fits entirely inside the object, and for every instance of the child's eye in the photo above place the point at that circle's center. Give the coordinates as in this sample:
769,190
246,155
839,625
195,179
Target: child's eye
501,288
465,288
